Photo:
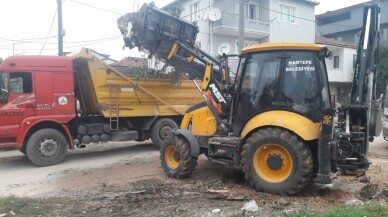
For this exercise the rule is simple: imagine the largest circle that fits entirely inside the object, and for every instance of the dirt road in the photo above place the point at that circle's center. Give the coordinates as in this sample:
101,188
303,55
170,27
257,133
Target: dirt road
20,177
127,180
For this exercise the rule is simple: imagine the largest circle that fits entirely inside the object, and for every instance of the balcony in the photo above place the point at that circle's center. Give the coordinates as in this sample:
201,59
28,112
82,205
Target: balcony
228,25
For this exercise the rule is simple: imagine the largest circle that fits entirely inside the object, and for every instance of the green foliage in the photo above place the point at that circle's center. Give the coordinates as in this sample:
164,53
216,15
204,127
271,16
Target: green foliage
176,76
367,210
382,77
23,206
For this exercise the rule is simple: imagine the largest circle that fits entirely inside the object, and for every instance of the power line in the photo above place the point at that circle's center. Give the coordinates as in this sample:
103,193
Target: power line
74,46
70,42
51,26
96,7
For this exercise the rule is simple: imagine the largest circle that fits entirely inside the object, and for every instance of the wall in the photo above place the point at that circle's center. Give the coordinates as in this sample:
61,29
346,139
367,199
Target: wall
302,31
345,71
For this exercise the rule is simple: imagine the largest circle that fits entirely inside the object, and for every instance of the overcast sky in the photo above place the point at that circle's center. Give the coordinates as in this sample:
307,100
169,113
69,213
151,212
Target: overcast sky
25,25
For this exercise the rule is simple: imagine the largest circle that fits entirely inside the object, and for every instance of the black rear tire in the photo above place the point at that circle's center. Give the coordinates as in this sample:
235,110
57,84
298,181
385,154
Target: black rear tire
276,161
176,159
160,131
46,147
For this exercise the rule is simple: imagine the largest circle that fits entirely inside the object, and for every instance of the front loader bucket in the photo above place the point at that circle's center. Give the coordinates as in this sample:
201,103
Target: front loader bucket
156,31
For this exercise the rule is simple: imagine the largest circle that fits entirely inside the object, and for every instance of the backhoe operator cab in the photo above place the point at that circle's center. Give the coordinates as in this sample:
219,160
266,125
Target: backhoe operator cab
286,77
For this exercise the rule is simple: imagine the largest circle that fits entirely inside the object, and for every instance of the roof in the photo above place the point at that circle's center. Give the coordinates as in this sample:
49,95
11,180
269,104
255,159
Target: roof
319,39
342,10
282,46
38,63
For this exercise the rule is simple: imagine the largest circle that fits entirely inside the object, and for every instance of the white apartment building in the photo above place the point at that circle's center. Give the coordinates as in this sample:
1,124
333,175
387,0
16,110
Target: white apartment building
265,21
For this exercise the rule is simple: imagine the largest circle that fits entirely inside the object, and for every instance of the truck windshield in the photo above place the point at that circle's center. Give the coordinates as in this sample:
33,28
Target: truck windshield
3,87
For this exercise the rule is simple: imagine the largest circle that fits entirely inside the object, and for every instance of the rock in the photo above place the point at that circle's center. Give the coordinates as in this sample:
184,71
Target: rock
12,212
282,202
365,180
216,210
250,206
354,202
3,214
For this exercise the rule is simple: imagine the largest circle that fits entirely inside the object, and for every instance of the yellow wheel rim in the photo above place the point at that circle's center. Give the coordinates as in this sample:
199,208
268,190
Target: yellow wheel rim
171,157
273,163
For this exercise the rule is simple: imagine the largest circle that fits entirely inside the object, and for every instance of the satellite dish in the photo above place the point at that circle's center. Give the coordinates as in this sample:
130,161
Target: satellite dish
224,48
214,14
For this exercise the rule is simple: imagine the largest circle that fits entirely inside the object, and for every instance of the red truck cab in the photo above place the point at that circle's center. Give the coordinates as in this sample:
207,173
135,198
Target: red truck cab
37,101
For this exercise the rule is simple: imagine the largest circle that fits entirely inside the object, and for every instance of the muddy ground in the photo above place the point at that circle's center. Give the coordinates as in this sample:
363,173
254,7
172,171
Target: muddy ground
127,180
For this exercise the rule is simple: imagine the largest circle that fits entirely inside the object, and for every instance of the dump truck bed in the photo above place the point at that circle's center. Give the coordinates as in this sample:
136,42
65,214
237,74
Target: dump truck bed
105,91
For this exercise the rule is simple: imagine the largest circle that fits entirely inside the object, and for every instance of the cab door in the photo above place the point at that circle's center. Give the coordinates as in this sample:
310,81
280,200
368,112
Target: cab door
17,101
258,86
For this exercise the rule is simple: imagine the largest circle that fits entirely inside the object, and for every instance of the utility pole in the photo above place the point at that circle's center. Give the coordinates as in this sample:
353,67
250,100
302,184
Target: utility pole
241,28
60,31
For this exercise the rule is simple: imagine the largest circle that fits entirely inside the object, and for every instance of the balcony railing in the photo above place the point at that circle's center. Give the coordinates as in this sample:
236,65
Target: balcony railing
232,21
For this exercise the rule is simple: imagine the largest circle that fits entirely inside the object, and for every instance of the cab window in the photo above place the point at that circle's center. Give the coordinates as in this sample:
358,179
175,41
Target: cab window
20,82
301,86
259,84
3,87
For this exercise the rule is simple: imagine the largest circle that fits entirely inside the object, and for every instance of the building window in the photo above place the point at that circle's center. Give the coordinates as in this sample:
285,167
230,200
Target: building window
250,11
336,62
287,13
194,11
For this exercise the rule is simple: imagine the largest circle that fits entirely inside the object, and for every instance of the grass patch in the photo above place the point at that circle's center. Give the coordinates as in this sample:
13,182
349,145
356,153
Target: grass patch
366,210
24,206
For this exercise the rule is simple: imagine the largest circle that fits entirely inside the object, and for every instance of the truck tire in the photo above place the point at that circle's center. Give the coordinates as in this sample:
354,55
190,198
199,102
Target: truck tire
276,161
176,159
160,131
46,147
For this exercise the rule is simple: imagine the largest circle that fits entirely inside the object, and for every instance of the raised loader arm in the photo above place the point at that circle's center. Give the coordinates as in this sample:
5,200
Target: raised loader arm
172,40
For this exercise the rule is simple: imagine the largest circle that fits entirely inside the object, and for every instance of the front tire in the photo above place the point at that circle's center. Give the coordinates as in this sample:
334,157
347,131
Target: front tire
276,161
176,159
46,147
160,131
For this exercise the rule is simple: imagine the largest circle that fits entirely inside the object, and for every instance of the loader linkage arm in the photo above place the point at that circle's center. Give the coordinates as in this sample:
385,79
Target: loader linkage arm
172,41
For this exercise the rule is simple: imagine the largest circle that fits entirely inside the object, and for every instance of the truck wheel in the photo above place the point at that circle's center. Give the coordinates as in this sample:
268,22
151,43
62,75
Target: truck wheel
160,131
176,158
46,147
276,161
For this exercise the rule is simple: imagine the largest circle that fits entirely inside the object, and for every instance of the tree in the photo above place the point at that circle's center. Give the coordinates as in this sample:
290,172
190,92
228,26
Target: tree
382,77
